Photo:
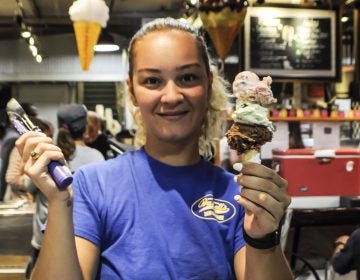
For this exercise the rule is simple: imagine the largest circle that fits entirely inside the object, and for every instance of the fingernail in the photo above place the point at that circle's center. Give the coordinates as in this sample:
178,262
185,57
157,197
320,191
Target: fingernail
236,177
237,197
238,166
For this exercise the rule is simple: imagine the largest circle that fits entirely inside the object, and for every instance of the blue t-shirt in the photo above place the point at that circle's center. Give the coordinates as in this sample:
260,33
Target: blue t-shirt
156,221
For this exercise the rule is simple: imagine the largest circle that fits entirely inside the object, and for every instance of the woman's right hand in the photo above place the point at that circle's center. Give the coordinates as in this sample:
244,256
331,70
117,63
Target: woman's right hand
37,167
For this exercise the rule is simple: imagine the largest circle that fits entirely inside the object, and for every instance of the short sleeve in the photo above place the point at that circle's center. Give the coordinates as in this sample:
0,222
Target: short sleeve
85,211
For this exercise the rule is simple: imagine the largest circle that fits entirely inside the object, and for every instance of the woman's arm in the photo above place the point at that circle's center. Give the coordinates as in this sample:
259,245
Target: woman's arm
62,255
264,196
58,257
262,264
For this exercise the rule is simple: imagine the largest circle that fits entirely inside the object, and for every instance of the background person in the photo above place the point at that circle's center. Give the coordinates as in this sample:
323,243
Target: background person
347,254
72,122
8,143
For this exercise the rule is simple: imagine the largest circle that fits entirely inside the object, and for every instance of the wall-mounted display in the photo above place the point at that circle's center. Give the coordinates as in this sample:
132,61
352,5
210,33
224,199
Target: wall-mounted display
292,43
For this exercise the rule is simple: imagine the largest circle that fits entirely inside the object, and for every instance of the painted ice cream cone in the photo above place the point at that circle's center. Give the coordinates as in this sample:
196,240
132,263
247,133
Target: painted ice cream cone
251,128
87,35
89,17
222,20
223,27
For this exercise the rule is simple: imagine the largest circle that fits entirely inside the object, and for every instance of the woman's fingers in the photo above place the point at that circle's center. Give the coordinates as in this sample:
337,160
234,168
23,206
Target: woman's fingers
259,216
26,142
261,171
37,152
262,201
264,196
264,180
32,145
37,169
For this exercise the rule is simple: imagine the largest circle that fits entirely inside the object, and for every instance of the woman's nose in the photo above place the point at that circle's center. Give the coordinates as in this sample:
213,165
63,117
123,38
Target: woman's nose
172,93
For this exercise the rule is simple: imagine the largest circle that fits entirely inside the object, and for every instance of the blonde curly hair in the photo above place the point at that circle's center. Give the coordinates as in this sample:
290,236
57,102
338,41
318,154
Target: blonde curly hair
211,128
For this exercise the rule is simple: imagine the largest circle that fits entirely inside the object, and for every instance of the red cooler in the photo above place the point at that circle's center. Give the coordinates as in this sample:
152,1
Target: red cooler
311,172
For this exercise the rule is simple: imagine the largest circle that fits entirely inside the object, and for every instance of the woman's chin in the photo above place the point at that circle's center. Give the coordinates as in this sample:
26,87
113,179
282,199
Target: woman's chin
175,137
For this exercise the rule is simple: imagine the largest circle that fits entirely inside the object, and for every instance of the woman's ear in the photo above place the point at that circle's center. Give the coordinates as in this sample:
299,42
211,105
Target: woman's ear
131,91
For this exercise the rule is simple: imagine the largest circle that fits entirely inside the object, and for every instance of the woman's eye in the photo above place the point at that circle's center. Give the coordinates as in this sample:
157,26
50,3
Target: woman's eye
151,81
188,78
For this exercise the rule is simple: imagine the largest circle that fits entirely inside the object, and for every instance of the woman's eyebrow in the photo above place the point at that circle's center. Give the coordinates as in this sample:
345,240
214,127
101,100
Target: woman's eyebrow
148,70
182,67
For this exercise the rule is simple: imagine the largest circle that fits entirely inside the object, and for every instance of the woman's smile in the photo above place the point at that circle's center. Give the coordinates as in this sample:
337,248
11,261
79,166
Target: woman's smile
171,86
173,115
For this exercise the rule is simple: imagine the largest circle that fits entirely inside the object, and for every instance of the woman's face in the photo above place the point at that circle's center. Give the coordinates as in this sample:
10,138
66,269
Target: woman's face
170,85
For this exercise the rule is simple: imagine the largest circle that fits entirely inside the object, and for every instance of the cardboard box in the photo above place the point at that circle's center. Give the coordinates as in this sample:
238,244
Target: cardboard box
311,172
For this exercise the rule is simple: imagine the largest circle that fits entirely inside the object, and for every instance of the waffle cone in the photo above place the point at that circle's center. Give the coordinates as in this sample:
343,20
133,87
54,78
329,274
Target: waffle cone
251,156
87,35
223,27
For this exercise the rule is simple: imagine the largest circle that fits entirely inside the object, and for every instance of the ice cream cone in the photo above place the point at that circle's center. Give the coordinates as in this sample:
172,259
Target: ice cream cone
87,35
251,156
251,128
223,27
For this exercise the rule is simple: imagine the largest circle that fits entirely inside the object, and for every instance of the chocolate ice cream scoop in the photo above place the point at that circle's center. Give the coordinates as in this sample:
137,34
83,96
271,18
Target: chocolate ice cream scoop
244,137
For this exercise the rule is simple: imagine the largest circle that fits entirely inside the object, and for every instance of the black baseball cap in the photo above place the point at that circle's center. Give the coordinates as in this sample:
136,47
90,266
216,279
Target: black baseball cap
72,117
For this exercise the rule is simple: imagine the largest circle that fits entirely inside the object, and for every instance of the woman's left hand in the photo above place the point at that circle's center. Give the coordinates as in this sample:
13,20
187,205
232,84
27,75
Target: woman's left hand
264,196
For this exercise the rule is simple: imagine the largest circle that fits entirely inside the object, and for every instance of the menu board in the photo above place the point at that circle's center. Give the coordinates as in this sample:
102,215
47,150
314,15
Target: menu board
291,42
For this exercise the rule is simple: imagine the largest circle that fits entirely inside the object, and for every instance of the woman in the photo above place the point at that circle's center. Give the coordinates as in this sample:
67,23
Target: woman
163,211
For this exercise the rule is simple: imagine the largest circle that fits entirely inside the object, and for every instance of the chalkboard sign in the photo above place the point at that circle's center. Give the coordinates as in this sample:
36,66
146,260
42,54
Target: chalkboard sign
292,43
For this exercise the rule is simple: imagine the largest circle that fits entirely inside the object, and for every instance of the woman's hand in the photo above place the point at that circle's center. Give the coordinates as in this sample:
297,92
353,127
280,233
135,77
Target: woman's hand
264,197
37,152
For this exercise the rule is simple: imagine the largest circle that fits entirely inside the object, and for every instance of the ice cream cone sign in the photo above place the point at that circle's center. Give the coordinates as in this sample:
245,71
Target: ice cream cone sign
88,17
222,20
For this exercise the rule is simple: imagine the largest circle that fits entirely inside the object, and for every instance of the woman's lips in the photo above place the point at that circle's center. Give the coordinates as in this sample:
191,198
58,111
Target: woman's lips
173,115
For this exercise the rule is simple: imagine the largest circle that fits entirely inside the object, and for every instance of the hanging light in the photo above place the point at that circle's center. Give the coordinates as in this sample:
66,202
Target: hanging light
25,31
34,51
25,34
106,43
31,41
38,58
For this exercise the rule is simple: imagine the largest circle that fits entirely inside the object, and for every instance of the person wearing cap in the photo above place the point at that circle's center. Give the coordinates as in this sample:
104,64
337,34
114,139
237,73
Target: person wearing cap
72,122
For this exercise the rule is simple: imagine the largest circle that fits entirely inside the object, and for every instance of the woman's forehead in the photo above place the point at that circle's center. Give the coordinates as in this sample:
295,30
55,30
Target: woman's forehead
165,38
168,44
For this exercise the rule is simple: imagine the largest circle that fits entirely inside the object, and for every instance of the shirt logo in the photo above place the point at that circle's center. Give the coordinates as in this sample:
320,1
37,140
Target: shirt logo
210,208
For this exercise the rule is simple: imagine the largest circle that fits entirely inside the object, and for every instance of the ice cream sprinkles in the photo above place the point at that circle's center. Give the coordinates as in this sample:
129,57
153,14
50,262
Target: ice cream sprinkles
251,128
